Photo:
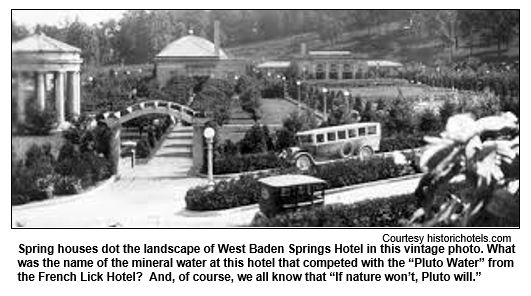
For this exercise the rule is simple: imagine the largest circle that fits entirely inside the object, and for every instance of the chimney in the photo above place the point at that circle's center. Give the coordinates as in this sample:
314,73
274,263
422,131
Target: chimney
303,49
216,38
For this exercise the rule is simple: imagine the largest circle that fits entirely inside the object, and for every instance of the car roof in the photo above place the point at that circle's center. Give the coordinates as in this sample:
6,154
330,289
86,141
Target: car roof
290,180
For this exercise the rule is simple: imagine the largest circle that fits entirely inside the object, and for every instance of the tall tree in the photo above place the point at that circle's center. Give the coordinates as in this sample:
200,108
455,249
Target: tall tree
18,31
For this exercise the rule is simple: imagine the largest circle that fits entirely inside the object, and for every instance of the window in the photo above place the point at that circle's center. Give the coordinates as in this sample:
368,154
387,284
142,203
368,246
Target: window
319,71
371,130
362,131
334,71
306,139
347,71
331,136
285,192
320,138
352,133
342,135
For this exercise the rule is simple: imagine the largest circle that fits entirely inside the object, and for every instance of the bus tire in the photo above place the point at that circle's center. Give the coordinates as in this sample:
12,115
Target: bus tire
304,162
365,152
347,150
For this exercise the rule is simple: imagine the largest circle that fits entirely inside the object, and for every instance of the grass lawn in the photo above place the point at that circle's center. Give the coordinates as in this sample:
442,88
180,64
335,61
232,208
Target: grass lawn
273,113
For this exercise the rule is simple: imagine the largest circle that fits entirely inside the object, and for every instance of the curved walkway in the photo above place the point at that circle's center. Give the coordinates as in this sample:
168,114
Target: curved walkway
152,196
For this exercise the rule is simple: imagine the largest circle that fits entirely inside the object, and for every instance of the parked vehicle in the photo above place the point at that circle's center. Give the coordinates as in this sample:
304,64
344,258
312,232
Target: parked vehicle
344,141
288,192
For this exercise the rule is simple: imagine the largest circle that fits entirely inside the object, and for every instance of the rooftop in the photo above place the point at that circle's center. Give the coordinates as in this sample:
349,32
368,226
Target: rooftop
330,53
191,47
42,43
274,64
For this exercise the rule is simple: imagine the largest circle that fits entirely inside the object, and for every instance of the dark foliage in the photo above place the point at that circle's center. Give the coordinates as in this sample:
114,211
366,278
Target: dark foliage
388,212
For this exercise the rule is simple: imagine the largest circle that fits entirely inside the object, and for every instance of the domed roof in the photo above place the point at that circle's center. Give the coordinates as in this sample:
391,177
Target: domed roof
42,43
191,47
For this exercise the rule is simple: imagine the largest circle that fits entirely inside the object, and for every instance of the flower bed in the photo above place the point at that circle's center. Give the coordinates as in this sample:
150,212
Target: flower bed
246,190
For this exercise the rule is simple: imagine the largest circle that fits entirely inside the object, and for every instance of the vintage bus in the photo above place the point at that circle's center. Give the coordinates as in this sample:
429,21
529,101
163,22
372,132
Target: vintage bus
344,141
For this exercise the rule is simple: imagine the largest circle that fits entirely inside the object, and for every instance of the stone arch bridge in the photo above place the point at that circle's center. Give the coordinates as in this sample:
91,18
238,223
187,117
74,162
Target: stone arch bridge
115,119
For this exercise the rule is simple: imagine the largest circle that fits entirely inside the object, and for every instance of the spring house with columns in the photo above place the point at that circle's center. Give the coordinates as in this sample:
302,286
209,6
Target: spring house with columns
34,60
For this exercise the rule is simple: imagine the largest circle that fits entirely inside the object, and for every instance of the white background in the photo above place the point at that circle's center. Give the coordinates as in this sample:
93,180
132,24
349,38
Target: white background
514,281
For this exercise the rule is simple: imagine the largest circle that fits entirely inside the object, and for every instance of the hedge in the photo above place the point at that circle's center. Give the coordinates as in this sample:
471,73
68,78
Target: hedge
225,195
388,212
402,142
247,162
246,190
354,171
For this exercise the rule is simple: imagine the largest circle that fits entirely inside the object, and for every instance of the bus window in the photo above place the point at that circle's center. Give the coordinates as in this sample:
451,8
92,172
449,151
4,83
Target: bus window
341,135
306,139
352,133
331,136
362,132
320,138
371,130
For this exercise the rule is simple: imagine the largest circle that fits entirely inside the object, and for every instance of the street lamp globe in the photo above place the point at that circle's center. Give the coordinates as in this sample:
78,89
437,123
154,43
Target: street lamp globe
299,83
209,133
325,90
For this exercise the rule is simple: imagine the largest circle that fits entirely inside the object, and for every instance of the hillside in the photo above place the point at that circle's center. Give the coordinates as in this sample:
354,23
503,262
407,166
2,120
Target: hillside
389,41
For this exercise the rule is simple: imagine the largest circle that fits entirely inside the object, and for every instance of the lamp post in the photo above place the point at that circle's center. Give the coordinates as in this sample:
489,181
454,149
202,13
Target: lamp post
347,99
284,86
209,134
299,95
325,116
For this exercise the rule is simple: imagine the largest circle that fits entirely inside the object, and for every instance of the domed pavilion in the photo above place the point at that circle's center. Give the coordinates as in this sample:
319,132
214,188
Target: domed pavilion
34,59
194,56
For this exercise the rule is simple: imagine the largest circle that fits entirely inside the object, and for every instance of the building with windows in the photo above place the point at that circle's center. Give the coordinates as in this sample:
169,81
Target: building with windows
340,65
195,56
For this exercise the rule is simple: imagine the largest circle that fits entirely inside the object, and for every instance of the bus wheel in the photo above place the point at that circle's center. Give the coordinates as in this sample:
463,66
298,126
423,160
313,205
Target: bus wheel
347,150
365,152
303,163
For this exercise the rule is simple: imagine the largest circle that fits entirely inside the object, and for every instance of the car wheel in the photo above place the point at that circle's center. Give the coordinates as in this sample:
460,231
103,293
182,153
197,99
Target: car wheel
365,152
303,163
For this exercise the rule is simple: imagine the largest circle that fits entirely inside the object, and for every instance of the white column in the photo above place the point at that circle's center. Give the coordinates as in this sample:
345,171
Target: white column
74,104
21,98
77,94
41,91
60,97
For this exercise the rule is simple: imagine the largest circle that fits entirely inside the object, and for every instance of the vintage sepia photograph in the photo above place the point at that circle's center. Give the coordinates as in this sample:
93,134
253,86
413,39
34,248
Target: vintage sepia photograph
265,118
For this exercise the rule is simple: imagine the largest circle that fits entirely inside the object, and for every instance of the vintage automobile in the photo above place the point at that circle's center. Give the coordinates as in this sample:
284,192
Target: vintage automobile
344,141
288,192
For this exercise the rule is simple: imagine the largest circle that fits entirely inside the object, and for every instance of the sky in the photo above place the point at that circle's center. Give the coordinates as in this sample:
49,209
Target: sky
31,18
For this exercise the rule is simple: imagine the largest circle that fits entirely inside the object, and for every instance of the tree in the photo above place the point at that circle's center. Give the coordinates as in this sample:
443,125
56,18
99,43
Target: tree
250,102
18,32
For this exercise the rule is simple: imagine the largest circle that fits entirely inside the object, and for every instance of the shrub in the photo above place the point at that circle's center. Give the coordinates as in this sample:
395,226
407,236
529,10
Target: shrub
246,190
226,194
401,142
39,122
354,171
142,149
66,185
256,140
388,212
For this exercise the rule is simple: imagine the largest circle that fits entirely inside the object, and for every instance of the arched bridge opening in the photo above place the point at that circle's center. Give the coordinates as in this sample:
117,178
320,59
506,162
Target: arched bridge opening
115,119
